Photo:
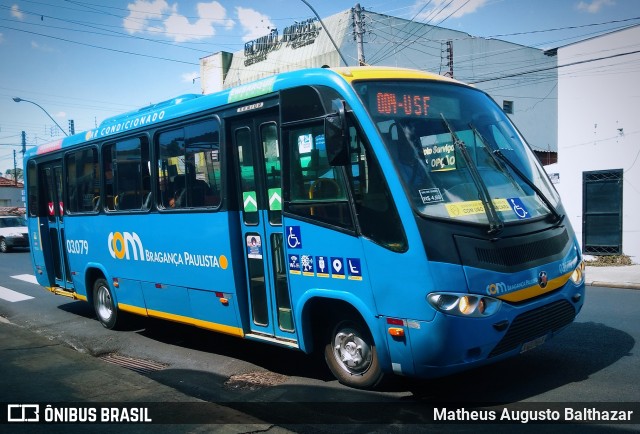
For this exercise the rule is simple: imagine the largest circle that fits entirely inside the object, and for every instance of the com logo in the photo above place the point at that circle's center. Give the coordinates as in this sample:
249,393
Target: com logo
496,288
125,245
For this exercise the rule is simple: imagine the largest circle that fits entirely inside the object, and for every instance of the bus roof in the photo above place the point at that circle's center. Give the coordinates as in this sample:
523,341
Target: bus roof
192,103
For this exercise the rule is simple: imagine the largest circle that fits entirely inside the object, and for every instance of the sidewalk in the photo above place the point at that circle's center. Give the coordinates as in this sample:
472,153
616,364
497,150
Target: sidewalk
36,369
626,276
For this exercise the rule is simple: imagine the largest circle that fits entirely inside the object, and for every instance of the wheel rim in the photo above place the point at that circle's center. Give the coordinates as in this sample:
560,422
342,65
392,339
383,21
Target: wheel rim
3,245
105,304
351,351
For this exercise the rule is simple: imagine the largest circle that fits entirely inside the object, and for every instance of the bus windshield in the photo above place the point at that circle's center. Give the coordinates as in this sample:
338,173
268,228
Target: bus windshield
457,153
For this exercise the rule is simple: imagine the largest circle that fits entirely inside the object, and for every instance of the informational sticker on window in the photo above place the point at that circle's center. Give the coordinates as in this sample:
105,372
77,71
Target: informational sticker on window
305,143
440,158
461,209
430,195
254,247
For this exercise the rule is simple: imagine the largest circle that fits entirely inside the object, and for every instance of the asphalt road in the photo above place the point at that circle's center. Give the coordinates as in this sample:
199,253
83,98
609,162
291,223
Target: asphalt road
594,360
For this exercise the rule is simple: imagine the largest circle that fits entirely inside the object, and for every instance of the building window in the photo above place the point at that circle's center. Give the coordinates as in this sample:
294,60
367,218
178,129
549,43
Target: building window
602,212
507,107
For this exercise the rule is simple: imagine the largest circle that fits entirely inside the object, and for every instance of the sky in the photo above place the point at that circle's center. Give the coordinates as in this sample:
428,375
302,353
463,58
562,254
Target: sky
88,60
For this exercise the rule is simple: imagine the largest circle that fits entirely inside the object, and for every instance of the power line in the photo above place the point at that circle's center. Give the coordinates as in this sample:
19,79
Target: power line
530,32
403,27
556,67
111,33
103,27
101,48
87,4
428,29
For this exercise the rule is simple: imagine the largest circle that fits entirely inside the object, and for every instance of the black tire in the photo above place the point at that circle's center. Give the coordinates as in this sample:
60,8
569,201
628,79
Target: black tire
4,247
351,355
104,305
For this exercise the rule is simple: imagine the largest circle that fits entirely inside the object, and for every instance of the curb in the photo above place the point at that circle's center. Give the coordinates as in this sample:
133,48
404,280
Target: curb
623,285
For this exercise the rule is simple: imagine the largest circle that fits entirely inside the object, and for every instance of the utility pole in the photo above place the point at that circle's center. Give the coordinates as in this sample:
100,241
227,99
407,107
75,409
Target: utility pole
24,143
449,73
358,24
15,169
72,128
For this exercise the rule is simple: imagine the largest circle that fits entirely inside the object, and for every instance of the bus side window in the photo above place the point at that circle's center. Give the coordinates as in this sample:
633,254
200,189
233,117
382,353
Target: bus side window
32,188
83,176
126,166
189,166
317,190
377,215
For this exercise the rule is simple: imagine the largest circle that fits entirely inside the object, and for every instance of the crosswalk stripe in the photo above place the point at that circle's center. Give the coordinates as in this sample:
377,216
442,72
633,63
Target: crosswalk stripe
26,278
12,296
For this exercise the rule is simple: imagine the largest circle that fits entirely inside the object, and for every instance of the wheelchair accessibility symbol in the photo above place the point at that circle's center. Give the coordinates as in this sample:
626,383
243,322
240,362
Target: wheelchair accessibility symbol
518,207
294,240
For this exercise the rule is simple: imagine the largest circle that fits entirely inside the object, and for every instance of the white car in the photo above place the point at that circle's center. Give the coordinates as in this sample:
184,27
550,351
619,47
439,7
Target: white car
13,233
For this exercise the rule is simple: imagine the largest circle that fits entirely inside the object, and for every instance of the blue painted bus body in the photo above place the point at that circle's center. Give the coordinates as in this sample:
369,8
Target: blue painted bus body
190,267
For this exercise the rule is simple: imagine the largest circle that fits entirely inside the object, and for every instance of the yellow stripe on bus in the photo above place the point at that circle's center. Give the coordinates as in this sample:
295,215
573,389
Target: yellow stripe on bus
132,309
380,72
59,291
229,330
536,290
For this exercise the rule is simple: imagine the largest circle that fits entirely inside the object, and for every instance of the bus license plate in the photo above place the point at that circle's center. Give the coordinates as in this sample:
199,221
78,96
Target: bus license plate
532,344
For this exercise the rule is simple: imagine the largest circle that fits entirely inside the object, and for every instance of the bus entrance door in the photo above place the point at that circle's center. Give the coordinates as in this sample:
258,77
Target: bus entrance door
258,165
52,223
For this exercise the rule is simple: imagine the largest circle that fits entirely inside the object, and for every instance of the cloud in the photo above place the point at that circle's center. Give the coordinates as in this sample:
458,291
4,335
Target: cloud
61,115
16,12
141,11
441,9
253,23
44,48
594,6
151,17
190,77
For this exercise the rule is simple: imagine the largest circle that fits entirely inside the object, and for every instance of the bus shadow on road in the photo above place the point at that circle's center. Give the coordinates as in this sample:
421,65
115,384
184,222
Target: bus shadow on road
581,351
577,353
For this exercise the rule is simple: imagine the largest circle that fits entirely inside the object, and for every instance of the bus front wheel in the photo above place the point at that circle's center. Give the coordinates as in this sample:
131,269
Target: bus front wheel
351,355
104,304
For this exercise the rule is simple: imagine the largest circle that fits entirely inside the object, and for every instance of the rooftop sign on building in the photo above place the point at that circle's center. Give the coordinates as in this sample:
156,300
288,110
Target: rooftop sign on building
294,36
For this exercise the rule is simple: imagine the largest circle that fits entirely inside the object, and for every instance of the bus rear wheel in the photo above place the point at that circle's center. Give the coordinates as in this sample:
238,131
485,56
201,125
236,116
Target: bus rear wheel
104,304
351,355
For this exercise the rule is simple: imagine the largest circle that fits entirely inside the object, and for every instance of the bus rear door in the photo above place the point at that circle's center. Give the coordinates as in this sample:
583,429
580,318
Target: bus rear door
52,222
258,164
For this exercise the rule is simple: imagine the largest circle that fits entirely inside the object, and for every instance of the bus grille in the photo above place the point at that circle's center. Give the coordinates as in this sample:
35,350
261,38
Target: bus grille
523,253
534,324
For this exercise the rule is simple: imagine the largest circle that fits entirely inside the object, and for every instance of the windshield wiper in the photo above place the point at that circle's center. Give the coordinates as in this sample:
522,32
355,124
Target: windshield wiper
498,153
495,223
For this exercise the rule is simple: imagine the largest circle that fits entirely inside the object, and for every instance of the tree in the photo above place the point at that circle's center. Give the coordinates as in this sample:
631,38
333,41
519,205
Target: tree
16,174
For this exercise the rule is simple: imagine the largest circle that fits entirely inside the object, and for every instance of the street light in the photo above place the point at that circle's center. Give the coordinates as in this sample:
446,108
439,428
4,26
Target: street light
16,99
326,30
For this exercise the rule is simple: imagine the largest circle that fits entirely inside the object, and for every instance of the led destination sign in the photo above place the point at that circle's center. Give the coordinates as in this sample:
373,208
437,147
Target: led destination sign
413,100
408,104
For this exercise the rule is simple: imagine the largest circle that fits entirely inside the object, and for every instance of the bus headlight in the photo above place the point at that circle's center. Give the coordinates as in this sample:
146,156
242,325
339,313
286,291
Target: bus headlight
467,305
577,277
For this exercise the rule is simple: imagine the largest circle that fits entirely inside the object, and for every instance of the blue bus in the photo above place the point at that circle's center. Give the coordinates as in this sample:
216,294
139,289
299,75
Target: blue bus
393,219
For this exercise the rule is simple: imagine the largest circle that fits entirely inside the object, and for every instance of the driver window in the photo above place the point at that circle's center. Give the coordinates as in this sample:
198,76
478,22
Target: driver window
378,217
317,190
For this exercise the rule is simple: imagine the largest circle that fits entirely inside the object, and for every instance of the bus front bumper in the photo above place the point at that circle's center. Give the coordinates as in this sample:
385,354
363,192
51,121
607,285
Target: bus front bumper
450,344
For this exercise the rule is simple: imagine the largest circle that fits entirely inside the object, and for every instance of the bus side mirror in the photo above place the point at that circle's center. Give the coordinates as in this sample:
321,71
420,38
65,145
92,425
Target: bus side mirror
336,135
